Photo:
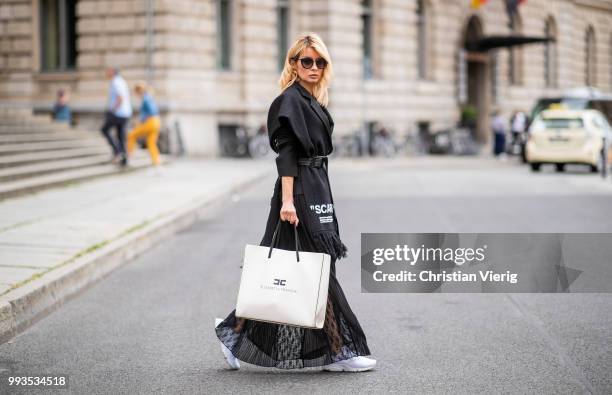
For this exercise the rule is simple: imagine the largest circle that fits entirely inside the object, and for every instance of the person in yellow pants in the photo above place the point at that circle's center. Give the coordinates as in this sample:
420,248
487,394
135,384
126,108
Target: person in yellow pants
149,125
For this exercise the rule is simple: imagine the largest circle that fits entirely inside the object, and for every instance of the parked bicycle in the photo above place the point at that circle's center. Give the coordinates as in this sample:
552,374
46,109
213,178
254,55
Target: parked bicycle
383,144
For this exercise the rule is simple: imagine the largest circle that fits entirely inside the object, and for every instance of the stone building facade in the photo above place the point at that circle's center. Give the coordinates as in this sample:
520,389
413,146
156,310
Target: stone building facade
216,62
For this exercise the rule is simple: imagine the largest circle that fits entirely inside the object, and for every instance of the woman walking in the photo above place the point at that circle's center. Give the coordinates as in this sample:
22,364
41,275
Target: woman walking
299,128
149,125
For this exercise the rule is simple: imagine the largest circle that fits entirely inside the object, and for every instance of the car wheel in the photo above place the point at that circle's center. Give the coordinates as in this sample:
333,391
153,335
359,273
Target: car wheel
535,166
559,166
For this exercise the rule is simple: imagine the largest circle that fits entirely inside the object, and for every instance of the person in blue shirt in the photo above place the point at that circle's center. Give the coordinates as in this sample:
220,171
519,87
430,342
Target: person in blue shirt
118,112
61,109
149,125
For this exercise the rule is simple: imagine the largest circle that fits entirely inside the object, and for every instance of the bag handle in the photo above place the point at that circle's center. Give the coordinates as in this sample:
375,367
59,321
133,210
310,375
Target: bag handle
274,238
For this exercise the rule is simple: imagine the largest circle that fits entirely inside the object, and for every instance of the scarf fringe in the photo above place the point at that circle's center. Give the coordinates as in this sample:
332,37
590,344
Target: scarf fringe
329,242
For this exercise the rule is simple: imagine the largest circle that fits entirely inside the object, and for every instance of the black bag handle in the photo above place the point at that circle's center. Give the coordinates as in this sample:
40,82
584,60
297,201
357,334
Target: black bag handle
274,238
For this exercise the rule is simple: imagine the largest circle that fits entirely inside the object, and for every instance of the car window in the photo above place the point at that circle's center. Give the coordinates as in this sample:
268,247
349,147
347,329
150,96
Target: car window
563,123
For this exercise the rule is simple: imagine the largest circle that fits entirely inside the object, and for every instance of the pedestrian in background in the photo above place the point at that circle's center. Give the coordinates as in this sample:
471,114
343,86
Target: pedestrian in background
119,111
61,109
518,123
498,125
149,125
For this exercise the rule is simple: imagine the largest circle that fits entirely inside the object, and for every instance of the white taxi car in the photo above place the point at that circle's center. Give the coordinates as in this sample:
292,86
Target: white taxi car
561,136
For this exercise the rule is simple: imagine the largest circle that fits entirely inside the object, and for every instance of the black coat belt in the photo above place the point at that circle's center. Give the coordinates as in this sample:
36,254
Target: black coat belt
315,161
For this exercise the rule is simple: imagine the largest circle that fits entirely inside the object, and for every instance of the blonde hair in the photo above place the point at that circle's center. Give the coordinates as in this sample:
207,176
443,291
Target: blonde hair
142,87
289,75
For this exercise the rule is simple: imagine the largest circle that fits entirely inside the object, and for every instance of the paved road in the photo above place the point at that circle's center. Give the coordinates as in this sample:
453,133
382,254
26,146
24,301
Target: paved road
148,327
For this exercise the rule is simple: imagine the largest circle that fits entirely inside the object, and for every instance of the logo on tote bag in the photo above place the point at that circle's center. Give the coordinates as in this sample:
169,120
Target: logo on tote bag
279,284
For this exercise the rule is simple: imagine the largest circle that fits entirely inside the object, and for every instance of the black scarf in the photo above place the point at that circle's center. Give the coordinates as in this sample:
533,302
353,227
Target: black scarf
296,109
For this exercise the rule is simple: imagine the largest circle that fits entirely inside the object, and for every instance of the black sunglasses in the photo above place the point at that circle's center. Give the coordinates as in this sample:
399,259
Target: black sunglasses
307,62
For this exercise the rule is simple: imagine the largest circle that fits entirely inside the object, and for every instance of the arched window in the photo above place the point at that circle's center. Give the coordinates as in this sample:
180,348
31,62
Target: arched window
515,54
550,53
590,59
282,11
424,39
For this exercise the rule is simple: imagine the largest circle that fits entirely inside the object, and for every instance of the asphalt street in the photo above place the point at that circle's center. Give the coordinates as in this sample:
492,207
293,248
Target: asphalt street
148,327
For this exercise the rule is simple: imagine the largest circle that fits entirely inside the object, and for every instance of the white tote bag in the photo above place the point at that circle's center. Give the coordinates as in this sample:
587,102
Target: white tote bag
284,286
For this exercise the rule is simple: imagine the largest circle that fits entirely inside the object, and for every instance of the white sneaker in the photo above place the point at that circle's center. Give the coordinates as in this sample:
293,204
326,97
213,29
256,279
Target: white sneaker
232,361
355,364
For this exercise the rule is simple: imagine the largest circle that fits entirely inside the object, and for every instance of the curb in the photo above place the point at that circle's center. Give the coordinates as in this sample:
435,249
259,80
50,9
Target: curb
26,305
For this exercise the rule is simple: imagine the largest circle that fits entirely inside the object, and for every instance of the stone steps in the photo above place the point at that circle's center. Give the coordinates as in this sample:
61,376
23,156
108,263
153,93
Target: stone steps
46,145
49,136
16,172
37,153
54,127
26,119
65,177
31,157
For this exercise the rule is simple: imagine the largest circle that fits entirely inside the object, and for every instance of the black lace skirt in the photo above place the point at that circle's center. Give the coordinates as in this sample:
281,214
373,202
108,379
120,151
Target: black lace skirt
289,347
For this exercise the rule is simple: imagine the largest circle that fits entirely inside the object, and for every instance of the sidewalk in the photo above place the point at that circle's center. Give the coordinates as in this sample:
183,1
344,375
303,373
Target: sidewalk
56,242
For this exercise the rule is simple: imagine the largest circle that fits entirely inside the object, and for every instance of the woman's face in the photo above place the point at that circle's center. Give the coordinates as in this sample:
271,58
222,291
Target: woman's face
313,74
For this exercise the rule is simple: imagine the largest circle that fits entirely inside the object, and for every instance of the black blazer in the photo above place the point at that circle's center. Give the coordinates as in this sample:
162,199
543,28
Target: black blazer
296,110
296,117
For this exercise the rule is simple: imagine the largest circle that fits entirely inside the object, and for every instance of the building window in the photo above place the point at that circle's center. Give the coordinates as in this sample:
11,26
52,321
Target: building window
590,66
224,34
366,18
493,55
610,62
515,54
58,35
421,39
283,31
550,53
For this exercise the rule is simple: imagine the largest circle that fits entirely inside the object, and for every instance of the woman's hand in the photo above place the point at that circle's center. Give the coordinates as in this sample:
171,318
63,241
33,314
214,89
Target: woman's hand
288,213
